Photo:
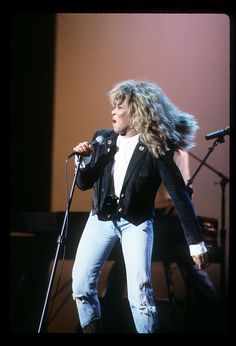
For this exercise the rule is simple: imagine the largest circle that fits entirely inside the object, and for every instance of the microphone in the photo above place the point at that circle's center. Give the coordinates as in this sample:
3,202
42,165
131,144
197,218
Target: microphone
219,133
100,140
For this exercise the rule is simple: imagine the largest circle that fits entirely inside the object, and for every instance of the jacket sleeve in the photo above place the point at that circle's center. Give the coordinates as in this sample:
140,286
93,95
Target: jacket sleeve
94,167
174,183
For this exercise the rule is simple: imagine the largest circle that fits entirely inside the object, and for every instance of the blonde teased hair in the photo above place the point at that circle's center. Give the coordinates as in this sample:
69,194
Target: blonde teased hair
161,125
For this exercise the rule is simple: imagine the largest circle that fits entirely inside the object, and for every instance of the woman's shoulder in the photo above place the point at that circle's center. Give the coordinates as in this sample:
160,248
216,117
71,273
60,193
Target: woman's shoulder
104,132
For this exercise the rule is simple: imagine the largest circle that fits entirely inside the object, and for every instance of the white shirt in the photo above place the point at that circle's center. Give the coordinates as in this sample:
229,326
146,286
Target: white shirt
126,146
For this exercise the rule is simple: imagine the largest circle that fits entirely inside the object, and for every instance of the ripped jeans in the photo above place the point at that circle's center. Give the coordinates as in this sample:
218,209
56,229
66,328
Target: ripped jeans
95,245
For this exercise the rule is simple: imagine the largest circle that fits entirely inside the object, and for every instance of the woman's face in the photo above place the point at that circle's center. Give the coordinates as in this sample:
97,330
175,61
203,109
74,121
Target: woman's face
120,120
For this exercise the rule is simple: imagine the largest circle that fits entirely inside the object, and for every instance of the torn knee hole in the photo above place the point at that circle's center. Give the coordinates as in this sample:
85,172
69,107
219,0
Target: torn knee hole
145,307
82,299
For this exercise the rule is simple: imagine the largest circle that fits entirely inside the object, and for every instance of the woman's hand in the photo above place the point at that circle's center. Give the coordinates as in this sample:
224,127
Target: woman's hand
201,260
83,148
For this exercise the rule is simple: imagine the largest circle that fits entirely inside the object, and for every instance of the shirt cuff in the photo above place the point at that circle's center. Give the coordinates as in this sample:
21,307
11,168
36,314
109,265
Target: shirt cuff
197,249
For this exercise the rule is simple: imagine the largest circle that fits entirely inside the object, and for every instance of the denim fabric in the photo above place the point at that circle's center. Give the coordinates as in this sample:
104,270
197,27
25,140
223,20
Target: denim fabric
94,247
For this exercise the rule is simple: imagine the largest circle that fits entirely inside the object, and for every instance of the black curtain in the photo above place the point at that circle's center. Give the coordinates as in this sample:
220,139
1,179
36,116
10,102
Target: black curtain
32,82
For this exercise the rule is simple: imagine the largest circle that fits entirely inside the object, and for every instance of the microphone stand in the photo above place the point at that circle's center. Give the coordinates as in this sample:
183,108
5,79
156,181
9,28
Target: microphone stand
60,241
223,182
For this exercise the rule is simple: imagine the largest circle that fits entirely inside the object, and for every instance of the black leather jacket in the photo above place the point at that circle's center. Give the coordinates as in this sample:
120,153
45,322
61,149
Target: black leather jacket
142,180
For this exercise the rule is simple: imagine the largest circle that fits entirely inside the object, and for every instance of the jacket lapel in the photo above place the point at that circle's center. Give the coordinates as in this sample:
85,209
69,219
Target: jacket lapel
110,148
138,153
